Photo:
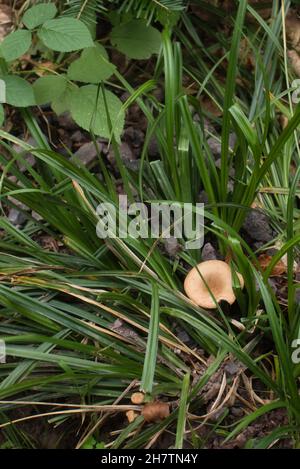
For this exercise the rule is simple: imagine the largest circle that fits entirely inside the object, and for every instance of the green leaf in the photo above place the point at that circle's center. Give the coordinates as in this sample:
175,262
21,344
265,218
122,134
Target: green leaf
91,443
183,408
2,115
88,111
136,39
152,343
19,92
15,45
92,67
63,103
48,88
65,35
38,14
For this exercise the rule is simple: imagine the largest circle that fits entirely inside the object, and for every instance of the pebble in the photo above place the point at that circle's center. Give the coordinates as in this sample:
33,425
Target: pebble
208,252
257,226
28,157
87,153
125,152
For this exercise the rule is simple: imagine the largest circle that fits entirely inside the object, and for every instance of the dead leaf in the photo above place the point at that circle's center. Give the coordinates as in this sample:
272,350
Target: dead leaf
292,24
209,106
43,68
246,55
283,120
155,411
5,20
294,61
279,269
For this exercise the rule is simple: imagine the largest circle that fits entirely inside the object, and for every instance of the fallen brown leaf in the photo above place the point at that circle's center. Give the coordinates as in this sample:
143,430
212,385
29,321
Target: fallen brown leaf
5,20
292,24
264,261
209,106
294,59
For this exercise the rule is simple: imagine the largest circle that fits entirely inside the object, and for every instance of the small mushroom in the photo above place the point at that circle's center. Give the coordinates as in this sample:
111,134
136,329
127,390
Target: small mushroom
131,416
217,275
137,398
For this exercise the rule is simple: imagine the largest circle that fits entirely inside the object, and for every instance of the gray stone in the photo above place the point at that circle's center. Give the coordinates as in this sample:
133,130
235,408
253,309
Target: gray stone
203,198
183,337
125,153
214,145
153,148
65,120
136,136
237,411
172,246
232,368
16,217
77,136
28,157
208,252
257,226
133,165
87,153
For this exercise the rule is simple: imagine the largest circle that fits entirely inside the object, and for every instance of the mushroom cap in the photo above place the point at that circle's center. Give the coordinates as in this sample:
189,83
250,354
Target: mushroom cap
218,277
137,398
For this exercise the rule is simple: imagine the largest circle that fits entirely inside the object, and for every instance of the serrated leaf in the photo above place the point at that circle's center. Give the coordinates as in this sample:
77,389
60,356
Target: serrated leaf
38,14
19,92
48,88
63,103
92,67
136,39
88,110
65,35
2,115
15,45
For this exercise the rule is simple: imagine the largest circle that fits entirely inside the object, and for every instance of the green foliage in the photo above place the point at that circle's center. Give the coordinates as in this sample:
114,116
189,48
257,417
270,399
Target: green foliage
65,35
39,14
93,66
2,116
49,88
160,10
85,10
165,11
62,103
88,109
19,92
136,39
15,45
91,443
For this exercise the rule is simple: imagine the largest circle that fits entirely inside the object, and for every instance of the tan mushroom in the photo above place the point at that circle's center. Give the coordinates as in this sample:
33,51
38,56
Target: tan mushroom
131,416
218,277
137,398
